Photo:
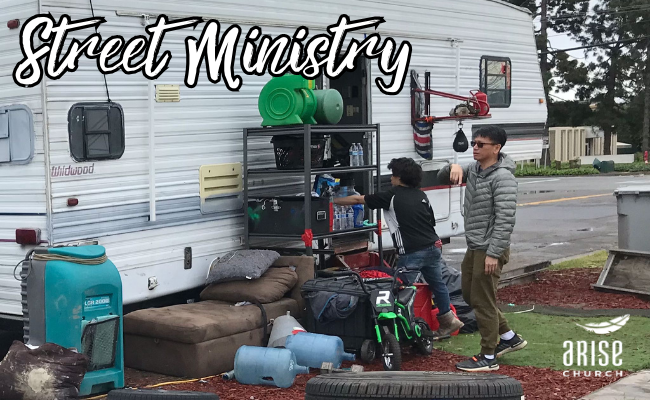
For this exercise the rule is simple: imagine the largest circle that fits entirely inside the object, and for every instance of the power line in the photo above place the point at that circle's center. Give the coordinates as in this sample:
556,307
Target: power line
598,45
627,10
525,3
557,97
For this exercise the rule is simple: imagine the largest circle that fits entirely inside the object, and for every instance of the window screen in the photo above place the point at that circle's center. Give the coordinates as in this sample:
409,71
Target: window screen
496,81
16,134
96,131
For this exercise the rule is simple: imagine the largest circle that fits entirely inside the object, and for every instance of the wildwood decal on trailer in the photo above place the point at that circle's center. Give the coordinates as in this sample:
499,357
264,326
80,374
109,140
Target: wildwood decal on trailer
71,170
278,55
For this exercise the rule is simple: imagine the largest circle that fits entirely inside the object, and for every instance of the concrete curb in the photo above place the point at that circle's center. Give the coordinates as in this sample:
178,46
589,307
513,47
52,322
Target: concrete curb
527,273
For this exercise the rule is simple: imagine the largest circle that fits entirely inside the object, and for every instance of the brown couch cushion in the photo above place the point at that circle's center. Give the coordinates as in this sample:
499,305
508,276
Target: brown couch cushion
202,321
187,360
305,269
270,287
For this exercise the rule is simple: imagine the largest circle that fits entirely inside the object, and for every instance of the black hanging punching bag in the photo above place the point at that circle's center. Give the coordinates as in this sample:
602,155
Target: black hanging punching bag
460,142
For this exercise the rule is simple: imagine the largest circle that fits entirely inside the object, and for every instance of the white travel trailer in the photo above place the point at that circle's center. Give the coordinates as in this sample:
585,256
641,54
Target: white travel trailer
138,182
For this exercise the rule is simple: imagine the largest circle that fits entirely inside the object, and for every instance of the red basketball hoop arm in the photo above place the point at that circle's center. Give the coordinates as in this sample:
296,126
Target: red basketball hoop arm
477,106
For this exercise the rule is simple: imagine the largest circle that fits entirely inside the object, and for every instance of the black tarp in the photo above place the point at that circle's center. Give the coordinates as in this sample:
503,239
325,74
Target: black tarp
452,278
49,372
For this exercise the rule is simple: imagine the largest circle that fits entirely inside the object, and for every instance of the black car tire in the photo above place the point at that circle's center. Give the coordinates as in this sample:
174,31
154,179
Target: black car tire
406,385
156,394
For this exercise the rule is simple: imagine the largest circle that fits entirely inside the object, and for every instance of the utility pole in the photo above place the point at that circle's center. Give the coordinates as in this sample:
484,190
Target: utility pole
646,113
543,37
543,65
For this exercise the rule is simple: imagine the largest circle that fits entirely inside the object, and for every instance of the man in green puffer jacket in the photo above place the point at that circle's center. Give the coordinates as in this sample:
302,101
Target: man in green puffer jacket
489,209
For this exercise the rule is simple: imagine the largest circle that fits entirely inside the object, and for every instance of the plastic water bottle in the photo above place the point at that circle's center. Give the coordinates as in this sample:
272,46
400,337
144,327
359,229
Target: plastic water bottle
312,349
337,218
344,218
350,217
360,161
267,366
343,223
358,215
353,156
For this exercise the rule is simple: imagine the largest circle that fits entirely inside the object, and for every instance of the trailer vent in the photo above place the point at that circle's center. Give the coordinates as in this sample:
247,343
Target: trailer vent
221,187
168,93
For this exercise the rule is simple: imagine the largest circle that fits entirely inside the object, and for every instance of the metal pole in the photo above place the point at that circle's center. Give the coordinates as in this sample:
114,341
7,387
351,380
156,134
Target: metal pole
457,88
307,166
152,154
246,239
379,244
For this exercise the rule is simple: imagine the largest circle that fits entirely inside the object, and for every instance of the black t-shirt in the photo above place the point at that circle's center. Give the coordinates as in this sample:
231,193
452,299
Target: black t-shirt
409,217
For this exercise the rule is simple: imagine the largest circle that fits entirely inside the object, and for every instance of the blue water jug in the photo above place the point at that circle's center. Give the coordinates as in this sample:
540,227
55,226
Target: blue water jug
312,349
266,366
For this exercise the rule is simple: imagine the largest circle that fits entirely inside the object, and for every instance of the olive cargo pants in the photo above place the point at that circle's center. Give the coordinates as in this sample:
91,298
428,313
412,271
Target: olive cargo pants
480,292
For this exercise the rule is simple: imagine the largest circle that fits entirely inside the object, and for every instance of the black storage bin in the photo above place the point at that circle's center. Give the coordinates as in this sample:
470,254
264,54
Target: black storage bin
354,329
285,215
290,151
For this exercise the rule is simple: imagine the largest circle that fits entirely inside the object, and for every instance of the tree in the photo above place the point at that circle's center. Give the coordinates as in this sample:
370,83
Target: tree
569,113
607,28
617,75
551,14
638,20
631,124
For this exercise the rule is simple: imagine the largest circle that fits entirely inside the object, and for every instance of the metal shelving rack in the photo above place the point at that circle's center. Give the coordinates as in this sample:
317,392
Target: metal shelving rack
306,131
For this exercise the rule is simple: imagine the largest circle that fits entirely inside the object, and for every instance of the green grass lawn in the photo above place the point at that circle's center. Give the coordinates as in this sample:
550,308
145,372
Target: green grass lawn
546,334
596,260
566,170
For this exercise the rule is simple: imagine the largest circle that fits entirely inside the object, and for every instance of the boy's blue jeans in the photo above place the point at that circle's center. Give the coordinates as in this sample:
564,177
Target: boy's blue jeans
429,262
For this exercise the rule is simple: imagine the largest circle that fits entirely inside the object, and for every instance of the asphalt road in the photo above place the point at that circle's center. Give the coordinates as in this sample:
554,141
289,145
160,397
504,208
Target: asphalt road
559,217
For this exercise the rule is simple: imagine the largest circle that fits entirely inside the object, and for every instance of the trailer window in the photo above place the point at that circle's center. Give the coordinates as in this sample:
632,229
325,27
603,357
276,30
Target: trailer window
16,134
496,81
96,131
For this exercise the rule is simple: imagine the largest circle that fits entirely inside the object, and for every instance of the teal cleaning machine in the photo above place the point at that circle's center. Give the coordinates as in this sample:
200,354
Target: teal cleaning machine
72,296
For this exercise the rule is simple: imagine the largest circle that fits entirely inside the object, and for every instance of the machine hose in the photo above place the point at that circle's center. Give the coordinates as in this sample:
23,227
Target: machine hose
56,257
74,260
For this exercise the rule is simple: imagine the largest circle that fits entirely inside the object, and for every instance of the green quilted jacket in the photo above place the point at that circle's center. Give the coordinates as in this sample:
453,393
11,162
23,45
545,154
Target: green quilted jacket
490,204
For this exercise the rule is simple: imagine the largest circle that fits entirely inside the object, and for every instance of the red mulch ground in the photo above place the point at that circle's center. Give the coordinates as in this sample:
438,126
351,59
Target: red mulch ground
538,383
566,288
569,288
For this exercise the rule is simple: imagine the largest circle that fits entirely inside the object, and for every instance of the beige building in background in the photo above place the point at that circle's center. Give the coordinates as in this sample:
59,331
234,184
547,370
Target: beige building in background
570,143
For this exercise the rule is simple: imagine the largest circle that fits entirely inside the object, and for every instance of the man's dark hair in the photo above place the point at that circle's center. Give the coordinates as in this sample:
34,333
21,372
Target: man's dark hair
494,133
407,170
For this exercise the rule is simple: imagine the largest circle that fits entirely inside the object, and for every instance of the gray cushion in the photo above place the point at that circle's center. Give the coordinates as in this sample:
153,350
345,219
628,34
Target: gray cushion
240,265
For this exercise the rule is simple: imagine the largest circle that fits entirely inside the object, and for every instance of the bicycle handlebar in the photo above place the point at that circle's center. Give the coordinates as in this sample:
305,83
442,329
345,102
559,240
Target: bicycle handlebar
393,279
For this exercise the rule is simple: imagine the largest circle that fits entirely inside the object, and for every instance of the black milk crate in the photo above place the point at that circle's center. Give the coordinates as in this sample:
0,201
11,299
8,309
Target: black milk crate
290,151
